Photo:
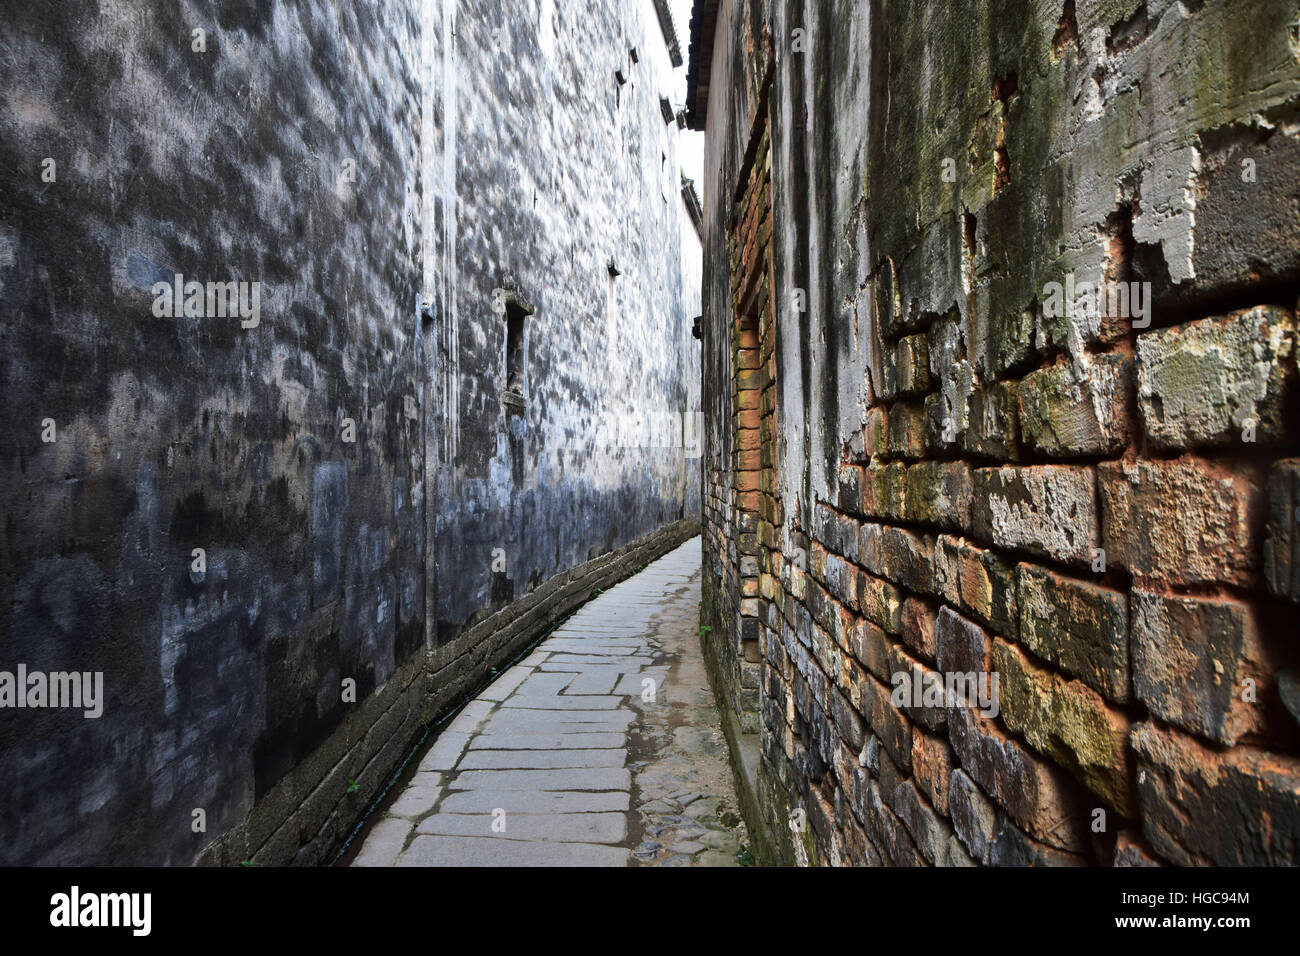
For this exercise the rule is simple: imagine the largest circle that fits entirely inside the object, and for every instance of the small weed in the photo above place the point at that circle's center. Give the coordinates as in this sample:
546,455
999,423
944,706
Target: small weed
745,857
353,787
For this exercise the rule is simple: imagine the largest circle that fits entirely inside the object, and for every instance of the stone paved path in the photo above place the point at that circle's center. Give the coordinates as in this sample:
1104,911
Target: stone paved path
602,748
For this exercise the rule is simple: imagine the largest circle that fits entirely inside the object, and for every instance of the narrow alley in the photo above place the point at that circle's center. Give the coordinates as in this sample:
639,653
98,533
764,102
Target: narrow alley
602,747
649,433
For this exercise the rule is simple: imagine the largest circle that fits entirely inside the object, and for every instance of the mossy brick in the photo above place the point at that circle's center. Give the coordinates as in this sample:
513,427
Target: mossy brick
1004,337
1039,797
1078,625
884,373
884,491
1068,722
1069,410
939,493
876,433
907,430
1212,381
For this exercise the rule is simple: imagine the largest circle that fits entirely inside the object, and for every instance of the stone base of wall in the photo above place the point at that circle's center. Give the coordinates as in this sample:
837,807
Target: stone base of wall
309,813
755,805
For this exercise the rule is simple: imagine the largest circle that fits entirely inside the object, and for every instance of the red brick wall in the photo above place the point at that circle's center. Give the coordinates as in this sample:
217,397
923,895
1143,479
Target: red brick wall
1099,509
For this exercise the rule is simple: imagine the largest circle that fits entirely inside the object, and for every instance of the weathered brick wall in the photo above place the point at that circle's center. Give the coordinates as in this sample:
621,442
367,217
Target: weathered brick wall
349,158
747,506
739,390
1098,506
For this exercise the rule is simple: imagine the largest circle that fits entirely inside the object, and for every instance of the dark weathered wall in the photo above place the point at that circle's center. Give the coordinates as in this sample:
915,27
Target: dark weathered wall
1098,510
348,160
176,434
559,172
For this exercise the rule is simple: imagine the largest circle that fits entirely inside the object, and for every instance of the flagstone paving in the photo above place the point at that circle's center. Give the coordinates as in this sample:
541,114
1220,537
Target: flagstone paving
603,747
